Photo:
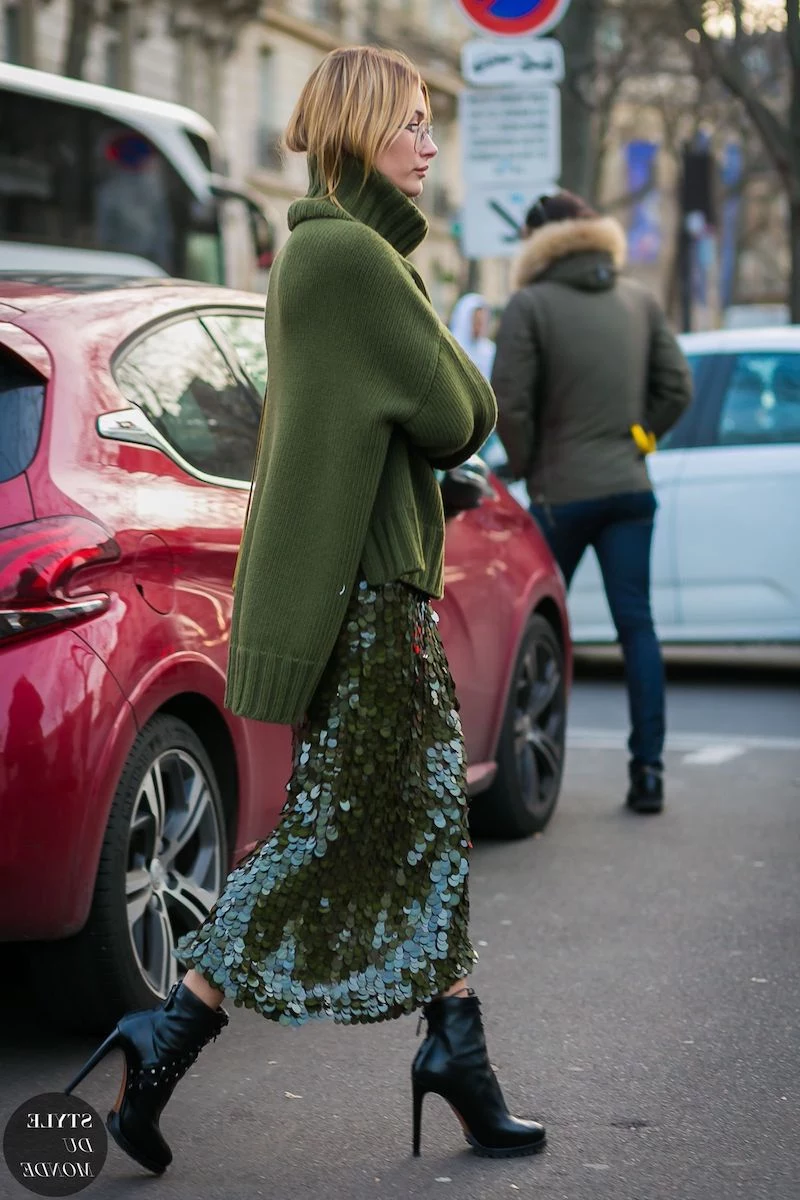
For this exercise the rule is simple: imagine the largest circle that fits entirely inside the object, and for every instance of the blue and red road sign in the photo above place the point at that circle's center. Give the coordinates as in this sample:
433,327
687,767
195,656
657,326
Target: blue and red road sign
514,17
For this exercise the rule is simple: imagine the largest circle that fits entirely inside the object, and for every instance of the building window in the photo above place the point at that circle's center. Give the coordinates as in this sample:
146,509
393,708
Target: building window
268,132
118,48
213,82
19,33
12,34
200,74
188,69
266,83
328,11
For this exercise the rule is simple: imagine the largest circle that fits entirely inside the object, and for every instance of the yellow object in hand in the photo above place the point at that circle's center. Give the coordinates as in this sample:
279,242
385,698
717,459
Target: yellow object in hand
645,440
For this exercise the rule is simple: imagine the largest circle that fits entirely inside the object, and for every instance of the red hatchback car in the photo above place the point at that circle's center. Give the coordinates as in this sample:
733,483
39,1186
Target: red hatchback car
128,420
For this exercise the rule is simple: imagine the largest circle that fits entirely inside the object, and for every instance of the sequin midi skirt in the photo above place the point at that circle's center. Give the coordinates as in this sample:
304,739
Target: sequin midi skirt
356,907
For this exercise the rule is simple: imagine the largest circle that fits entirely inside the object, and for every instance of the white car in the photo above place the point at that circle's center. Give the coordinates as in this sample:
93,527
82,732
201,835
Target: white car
726,552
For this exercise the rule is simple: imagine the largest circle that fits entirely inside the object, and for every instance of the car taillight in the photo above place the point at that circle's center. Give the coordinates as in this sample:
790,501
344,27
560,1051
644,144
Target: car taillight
41,564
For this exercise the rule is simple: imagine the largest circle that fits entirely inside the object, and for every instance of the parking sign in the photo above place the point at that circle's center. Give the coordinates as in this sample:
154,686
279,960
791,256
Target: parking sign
510,18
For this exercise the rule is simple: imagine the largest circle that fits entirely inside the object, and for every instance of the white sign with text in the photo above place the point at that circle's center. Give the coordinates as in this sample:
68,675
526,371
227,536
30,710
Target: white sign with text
531,63
510,135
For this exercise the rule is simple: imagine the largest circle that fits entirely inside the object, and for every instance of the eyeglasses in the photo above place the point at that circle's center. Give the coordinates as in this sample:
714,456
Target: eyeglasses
420,130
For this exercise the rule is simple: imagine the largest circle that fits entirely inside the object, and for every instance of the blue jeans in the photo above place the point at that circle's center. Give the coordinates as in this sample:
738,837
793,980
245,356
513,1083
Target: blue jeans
620,528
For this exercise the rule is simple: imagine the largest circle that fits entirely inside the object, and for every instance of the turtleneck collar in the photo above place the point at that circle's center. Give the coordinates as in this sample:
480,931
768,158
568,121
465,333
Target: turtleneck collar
375,202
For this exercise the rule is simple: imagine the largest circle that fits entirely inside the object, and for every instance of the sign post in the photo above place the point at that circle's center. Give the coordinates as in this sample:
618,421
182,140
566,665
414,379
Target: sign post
510,119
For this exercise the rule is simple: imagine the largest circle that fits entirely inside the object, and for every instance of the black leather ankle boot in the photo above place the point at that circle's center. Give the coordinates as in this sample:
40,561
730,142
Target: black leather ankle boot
159,1047
646,791
453,1063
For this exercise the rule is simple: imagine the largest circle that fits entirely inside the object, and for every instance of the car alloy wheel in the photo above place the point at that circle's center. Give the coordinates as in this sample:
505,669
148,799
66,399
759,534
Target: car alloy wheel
162,865
175,866
539,722
530,751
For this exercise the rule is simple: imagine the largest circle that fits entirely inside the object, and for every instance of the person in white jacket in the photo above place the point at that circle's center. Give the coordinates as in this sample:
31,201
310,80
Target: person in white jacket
469,324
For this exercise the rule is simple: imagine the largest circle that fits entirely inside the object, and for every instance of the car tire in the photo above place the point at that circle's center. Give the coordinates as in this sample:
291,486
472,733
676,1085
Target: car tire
530,752
163,863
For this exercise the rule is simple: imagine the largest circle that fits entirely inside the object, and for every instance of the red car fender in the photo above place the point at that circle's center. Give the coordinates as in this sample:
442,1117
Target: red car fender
106,773
44,860
186,672
174,675
538,593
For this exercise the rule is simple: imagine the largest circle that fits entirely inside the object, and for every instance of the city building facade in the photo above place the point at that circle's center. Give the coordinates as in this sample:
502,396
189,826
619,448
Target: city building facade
242,66
245,78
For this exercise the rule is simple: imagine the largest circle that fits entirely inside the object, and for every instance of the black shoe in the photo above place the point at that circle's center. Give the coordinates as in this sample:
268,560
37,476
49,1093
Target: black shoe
453,1063
159,1047
646,792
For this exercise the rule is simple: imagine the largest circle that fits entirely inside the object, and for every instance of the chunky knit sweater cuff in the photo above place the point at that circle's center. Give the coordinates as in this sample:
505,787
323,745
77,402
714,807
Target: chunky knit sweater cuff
267,686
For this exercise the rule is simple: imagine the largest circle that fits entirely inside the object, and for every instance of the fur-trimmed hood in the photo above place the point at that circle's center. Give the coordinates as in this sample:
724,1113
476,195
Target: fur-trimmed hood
557,240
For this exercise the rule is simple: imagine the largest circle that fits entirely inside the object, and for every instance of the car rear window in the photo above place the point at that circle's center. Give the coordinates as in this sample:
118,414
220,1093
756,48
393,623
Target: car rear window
21,410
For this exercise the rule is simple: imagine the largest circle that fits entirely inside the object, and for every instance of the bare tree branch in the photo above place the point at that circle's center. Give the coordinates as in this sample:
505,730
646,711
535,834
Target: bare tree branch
793,32
734,75
737,24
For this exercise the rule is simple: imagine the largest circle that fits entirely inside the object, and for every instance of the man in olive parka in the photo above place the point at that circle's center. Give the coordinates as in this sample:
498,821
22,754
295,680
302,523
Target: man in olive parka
587,377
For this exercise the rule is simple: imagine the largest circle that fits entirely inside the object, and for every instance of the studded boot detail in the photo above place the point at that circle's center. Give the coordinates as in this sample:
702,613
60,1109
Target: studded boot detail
453,1063
159,1048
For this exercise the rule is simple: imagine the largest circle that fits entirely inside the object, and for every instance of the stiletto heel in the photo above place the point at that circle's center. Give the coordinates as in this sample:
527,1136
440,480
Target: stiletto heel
112,1042
159,1047
419,1096
453,1063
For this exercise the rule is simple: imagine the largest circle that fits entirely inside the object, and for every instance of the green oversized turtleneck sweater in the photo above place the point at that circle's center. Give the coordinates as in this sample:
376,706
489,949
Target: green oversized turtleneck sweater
367,394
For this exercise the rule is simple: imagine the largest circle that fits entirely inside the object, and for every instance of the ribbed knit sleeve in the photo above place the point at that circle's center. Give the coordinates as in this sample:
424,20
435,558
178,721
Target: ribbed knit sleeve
451,416
459,403
347,356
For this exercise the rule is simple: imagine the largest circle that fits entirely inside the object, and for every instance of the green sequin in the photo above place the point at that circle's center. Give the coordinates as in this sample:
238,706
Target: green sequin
356,907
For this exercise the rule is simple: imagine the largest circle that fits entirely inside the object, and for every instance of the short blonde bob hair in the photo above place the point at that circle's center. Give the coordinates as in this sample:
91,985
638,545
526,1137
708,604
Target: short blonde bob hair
356,102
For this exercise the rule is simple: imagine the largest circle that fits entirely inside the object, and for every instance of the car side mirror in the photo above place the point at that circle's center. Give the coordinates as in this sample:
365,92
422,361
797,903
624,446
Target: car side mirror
465,487
263,232
264,238
131,425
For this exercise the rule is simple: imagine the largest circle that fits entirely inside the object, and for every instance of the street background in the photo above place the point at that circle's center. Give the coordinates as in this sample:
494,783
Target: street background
676,118
640,978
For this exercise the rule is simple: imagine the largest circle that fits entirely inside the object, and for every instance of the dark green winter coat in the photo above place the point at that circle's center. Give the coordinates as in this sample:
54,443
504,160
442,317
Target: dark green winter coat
582,355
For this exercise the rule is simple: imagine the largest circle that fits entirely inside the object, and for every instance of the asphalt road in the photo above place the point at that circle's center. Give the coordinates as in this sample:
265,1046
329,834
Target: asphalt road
641,987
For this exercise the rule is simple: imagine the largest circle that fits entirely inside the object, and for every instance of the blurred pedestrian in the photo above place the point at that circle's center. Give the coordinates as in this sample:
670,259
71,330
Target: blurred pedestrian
587,375
469,325
356,907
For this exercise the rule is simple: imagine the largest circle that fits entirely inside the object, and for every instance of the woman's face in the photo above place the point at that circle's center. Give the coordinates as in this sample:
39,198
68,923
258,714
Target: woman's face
480,322
405,162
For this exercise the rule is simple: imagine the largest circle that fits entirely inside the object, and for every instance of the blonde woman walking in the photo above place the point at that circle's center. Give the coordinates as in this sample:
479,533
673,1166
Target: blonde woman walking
356,907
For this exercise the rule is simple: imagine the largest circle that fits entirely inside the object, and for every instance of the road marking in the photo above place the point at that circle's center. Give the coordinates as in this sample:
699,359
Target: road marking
712,756
616,739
